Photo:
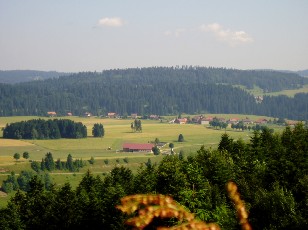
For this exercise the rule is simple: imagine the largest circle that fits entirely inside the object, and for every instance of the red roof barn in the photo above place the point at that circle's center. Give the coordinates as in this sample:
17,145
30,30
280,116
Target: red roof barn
134,147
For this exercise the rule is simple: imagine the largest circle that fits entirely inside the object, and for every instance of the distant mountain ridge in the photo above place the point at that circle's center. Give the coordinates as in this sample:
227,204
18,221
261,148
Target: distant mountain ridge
18,76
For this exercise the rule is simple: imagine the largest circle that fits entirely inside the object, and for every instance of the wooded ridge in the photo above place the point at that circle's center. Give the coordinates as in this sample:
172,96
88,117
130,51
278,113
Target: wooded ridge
157,90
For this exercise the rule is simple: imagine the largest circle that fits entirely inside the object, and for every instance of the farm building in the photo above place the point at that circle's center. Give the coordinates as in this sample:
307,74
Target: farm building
233,120
87,114
135,147
112,115
134,115
180,121
51,114
261,121
154,117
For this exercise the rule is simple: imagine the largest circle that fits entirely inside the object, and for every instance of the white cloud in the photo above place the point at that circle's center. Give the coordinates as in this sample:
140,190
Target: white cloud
111,22
233,38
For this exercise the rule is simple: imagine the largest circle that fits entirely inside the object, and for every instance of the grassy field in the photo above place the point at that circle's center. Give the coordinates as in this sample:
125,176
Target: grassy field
290,93
256,91
117,132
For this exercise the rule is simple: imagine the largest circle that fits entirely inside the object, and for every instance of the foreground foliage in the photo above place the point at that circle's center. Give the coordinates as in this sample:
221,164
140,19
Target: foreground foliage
271,172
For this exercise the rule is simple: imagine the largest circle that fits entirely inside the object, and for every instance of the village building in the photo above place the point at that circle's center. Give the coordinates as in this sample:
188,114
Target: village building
247,121
134,115
261,121
87,114
259,99
137,147
112,115
180,121
206,120
292,123
233,120
51,114
154,117
197,119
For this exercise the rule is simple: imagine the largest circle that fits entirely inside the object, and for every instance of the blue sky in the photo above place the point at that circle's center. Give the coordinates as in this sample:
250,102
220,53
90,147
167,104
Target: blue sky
93,35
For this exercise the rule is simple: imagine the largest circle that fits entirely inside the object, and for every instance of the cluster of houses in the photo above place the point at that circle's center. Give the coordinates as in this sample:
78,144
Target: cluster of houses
206,120
109,115
54,114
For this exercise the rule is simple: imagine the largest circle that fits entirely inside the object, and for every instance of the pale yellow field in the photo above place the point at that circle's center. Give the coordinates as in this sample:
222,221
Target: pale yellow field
13,143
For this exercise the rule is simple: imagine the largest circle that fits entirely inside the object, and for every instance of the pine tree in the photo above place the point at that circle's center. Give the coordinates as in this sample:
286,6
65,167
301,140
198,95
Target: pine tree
181,138
70,163
98,130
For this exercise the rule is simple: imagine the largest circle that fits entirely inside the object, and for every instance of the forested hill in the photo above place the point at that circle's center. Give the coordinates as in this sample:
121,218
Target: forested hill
17,76
157,90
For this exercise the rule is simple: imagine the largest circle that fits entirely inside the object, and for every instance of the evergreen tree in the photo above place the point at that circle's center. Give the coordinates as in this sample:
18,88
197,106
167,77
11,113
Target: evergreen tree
181,138
49,162
59,164
98,130
70,164
92,161
181,155
171,146
156,150
35,166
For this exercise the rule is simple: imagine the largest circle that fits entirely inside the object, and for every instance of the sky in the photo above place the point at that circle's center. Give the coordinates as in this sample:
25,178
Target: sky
95,35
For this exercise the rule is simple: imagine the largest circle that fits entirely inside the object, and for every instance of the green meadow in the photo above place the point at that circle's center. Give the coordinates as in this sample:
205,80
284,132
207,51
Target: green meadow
256,91
117,132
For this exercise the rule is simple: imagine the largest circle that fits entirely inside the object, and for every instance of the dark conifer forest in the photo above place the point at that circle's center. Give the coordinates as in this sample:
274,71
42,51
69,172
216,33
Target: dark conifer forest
157,90
42,129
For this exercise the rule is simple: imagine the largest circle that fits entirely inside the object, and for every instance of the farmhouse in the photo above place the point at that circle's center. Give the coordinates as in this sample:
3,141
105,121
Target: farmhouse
233,120
180,121
292,123
51,114
206,120
87,114
135,147
134,115
247,121
261,121
112,115
154,117
197,119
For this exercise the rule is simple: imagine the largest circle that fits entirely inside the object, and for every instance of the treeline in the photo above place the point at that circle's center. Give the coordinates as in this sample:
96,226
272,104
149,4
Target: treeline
45,129
48,164
22,181
270,171
161,91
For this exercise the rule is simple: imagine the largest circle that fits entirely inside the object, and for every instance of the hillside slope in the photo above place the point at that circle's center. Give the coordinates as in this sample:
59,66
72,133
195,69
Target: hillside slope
158,90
